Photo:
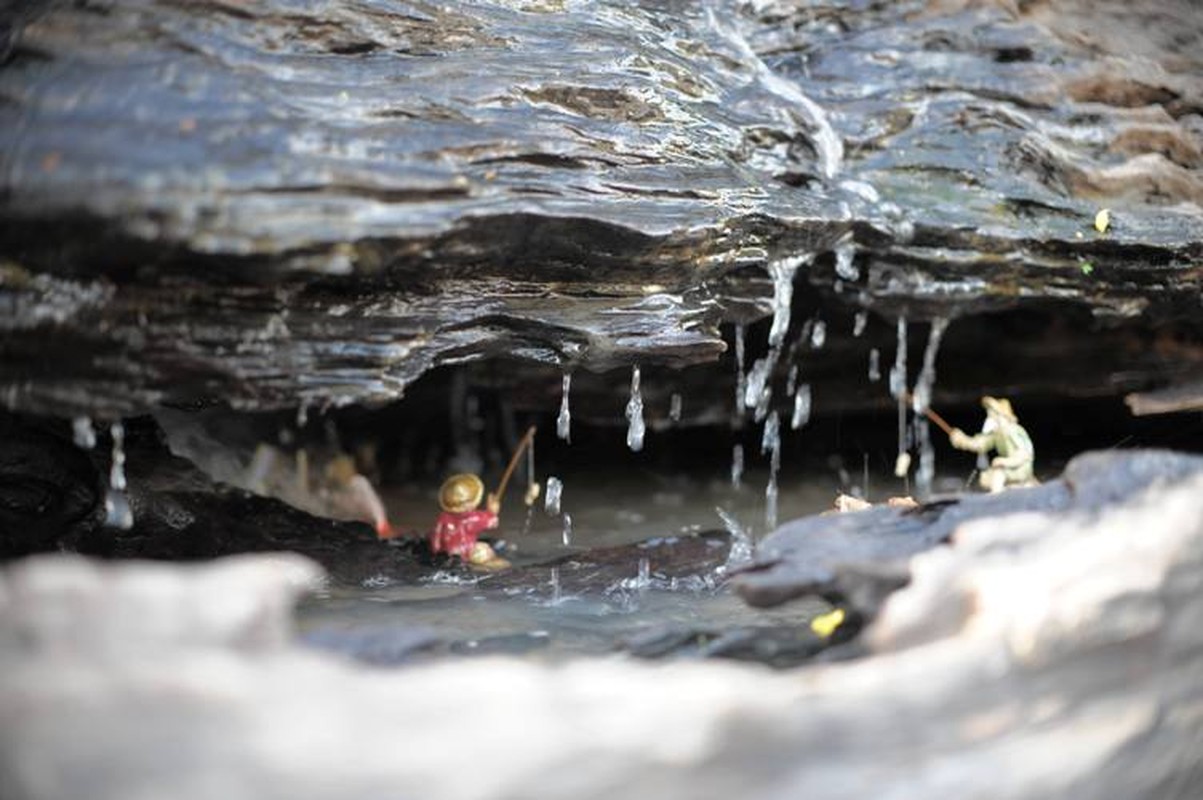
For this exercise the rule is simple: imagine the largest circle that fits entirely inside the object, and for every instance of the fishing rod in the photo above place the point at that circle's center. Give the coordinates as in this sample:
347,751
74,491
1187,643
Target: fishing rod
903,463
533,488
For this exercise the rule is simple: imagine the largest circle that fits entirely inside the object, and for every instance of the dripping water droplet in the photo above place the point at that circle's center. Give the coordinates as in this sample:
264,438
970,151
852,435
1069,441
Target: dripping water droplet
737,465
567,532
564,420
770,504
921,400
898,371
740,380
859,323
83,433
674,407
782,272
118,513
898,391
818,334
874,365
770,443
844,266
921,396
635,427
801,407
552,494
117,468
758,392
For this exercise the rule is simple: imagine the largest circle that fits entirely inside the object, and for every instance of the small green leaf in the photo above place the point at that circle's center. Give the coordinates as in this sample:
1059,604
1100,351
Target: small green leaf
1086,267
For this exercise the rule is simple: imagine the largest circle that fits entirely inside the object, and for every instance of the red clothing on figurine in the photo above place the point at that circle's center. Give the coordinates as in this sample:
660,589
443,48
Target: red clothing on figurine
456,532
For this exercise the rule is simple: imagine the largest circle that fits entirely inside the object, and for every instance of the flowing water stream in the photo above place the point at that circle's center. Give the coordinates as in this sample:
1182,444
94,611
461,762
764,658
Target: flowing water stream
596,509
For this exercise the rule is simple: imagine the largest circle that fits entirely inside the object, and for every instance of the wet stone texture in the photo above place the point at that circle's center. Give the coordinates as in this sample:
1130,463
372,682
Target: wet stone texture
53,499
858,559
272,204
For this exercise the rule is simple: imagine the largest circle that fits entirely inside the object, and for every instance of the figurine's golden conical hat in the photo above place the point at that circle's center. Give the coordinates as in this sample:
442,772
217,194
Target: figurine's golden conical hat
461,493
1000,406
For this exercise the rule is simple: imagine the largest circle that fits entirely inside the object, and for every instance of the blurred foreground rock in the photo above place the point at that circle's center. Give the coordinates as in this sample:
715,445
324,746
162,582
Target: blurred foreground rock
1043,654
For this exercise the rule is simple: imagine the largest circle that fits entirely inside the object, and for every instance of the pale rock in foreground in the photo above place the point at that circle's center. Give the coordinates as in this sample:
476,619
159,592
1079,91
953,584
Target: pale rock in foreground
1041,655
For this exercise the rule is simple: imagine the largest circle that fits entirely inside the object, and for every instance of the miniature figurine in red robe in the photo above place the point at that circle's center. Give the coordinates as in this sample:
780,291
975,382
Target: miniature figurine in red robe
460,525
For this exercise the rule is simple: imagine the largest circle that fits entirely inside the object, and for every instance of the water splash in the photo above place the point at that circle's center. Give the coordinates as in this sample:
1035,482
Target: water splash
552,494
818,334
859,323
450,578
874,365
737,466
556,593
566,534
83,433
920,402
635,426
564,420
674,407
802,400
742,546
644,578
844,266
118,513
770,503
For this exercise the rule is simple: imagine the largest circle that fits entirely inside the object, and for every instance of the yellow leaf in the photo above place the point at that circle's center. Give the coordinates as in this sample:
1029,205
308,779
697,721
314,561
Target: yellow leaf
825,624
1102,220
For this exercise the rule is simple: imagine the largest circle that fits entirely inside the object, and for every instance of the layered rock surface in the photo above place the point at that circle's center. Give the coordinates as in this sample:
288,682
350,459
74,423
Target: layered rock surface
275,204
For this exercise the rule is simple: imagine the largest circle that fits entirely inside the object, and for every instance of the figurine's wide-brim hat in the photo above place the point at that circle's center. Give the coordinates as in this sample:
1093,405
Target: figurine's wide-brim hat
1000,406
461,493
